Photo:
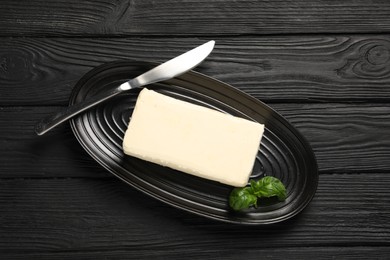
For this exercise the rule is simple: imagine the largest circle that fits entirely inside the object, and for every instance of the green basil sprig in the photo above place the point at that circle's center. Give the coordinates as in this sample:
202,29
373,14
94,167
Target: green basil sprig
266,187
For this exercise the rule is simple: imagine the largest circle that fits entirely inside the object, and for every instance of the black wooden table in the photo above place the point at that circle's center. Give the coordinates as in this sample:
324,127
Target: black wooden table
324,65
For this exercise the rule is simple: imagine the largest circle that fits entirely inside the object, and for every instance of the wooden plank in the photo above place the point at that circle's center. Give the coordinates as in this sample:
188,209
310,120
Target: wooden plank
345,138
76,215
329,252
140,17
273,69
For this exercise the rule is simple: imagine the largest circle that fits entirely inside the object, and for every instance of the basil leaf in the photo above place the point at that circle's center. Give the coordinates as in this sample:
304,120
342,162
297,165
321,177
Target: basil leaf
242,198
269,187
266,187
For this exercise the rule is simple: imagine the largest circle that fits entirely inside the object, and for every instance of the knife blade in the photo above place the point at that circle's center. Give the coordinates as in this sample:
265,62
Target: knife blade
169,69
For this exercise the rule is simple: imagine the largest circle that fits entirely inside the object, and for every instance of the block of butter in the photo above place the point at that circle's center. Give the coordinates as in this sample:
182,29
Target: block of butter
192,138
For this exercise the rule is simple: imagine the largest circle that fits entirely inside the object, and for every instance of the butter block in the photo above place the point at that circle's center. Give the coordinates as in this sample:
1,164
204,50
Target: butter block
192,138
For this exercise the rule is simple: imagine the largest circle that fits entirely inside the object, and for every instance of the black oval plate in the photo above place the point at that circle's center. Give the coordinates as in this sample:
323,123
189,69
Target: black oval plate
283,152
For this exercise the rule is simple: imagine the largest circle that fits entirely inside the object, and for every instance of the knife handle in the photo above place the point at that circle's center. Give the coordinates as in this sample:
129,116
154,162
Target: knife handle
50,122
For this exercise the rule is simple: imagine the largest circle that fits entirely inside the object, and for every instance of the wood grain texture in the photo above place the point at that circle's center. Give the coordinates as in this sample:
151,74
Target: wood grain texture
328,252
56,154
140,17
273,69
80,215
345,138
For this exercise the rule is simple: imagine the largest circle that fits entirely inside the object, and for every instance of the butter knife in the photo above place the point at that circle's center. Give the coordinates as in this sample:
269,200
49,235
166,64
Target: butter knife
170,69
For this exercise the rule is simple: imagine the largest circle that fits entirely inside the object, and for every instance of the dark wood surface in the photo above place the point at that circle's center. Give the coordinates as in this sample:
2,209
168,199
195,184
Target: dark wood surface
324,65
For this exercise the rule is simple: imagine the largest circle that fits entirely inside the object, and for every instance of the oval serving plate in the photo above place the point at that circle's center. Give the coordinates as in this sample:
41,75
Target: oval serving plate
283,153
